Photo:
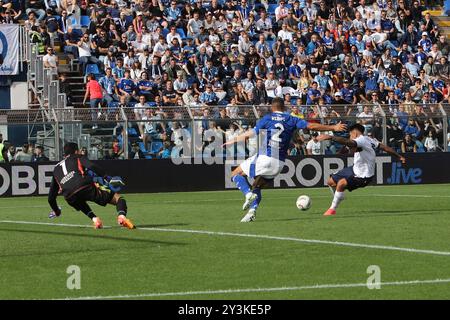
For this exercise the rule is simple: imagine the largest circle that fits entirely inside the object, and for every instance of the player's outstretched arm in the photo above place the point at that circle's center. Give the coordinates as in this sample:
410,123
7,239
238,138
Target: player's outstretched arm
323,127
344,141
242,137
392,152
53,193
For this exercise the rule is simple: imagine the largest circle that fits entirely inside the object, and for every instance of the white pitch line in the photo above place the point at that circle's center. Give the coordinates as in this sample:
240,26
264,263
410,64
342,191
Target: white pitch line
253,290
254,236
314,241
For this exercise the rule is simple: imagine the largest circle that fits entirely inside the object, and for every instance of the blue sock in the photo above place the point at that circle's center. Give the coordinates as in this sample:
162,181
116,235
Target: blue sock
255,203
242,184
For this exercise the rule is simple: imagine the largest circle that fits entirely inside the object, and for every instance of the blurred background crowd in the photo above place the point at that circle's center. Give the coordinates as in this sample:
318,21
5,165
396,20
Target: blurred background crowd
382,63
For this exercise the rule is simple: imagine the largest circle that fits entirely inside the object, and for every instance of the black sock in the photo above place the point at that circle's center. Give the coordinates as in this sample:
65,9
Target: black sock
121,207
91,215
86,209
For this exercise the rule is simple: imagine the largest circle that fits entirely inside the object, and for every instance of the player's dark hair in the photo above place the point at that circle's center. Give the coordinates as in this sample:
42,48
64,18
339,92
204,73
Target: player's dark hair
358,127
70,148
278,103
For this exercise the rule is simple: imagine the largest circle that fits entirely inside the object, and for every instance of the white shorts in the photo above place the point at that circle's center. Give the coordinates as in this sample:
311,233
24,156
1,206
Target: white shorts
261,165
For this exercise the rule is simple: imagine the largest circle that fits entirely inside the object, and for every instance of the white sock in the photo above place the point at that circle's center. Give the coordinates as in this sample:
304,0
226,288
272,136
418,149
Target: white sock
332,189
338,197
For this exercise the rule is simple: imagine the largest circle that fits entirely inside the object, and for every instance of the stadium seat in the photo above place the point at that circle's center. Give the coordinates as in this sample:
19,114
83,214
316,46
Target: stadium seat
92,68
85,21
72,21
258,6
142,147
132,132
165,32
181,32
78,32
120,139
420,146
129,19
271,9
156,146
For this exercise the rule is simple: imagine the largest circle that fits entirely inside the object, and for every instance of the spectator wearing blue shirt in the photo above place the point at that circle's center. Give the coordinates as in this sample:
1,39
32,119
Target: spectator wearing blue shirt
328,40
400,91
189,49
404,54
425,42
295,71
360,44
209,71
402,116
348,94
71,39
390,81
412,128
313,94
118,71
323,80
412,67
371,82
420,57
145,86
244,10
208,97
108,84
312,45
386,23
166,151
172,13
127,87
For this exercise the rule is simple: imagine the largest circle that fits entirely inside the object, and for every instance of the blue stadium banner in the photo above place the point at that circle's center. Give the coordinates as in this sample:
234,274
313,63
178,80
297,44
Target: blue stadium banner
9,49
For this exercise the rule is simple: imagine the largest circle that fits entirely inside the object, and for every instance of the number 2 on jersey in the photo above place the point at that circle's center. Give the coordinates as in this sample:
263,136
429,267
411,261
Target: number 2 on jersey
276,135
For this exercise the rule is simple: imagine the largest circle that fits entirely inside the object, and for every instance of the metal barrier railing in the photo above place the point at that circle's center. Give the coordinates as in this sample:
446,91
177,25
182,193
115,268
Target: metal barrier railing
39,73
58,125
53,91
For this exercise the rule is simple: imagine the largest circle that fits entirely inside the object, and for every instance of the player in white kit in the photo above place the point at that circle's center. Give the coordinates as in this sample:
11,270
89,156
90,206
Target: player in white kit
363,170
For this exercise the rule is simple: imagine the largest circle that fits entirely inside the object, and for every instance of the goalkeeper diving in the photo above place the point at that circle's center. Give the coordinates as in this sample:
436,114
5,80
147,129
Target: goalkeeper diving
81,181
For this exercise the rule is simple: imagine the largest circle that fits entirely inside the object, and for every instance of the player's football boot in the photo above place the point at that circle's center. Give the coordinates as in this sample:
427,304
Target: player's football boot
330,212
98,224
250,216
53,214
249,198
124,222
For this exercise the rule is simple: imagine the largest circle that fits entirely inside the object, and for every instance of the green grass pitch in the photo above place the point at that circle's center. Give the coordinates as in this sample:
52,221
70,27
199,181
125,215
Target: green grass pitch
284,254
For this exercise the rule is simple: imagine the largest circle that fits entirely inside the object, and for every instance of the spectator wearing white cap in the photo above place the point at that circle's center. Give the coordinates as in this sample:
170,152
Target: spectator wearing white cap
425,42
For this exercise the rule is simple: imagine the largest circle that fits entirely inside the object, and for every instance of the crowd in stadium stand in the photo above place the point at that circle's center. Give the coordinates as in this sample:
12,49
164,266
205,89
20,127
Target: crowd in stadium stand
328,59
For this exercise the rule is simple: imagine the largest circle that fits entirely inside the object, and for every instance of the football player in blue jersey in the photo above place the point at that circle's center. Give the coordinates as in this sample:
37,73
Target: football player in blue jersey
275,130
